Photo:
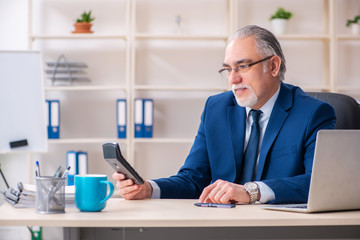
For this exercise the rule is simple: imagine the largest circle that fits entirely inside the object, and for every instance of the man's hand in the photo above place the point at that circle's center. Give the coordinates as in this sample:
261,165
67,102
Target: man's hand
224,192
129,190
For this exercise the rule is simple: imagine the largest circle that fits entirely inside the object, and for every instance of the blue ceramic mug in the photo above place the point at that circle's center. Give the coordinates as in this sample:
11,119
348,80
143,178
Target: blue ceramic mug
90,192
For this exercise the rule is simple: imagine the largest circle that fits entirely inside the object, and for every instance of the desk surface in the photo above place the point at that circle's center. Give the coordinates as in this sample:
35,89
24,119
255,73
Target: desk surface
173,213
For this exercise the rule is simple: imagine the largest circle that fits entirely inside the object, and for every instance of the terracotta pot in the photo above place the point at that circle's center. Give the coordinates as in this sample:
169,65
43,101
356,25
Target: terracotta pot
82,27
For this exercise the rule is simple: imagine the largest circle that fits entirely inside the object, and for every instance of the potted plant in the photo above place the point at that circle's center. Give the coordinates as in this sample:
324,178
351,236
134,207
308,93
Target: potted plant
354,24
279,20
83,24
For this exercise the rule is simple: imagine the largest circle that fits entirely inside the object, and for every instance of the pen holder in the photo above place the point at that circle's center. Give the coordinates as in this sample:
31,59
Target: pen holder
50,194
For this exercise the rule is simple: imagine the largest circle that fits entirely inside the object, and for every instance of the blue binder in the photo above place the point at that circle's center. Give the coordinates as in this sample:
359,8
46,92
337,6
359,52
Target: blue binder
148,118
138,118
82,160
53,119
121,118
72,161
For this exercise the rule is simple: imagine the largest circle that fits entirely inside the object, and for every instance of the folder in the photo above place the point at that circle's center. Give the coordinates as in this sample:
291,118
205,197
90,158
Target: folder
47,115
121,118
72,162
82,158
53,119
138,118
148,118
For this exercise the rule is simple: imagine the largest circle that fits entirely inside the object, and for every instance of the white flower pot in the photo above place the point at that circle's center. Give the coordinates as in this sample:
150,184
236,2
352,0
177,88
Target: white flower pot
355,28
279,25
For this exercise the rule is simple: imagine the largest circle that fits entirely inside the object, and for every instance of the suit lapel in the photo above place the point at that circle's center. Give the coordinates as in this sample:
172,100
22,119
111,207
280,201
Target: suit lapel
237,127
278,116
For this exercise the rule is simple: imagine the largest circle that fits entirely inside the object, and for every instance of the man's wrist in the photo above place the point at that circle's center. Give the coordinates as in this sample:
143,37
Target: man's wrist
155,189
148,189
253,190
266,193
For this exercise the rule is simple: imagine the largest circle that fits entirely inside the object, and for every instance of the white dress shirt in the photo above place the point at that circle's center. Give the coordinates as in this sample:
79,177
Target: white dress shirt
267,194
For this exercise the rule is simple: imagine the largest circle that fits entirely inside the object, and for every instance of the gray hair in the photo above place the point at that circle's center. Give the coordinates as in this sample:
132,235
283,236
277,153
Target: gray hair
266,44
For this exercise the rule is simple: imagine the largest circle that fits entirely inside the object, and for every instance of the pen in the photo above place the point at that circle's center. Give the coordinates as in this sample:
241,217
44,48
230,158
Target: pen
37,171
53,190
59,171
215,205
66,173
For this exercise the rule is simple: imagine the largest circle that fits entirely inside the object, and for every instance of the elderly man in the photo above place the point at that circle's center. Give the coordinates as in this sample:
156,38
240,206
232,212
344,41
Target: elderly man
254,143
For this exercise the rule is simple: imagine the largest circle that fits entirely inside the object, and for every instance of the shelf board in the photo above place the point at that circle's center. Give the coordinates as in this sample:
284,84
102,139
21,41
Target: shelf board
78,36
163,140
86,88
303,37
180,37
224,38
178,88
84,140
348,37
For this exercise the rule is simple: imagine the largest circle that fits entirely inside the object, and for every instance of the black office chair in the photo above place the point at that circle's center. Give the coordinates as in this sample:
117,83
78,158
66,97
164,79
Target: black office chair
347,109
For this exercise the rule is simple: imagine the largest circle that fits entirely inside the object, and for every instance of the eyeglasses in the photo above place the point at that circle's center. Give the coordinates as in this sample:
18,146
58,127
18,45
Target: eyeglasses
243,68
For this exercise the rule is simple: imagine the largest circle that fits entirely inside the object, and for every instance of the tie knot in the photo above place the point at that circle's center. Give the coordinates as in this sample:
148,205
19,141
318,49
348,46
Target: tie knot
255,115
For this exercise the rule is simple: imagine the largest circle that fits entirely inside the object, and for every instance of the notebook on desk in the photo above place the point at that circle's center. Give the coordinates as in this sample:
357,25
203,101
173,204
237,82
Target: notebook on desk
335,177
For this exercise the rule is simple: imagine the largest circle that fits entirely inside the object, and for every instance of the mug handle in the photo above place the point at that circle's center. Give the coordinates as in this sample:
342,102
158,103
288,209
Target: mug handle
111,187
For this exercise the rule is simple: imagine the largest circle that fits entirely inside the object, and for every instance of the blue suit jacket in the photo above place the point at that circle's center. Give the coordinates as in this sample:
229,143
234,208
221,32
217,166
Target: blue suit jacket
286,154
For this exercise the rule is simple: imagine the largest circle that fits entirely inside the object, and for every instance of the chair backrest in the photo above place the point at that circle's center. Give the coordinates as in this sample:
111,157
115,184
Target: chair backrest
347,109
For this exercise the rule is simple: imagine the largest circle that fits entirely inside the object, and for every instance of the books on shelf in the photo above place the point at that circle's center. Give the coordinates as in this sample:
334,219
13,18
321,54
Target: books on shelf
144,117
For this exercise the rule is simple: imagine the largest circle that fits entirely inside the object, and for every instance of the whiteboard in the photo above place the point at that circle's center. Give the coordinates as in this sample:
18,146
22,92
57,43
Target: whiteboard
22,101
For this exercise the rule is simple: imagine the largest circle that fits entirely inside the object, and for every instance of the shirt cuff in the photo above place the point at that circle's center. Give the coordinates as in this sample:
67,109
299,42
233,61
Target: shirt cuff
267,194
156,190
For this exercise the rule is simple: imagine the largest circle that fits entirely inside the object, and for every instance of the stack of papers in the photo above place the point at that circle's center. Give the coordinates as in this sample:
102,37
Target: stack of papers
26,197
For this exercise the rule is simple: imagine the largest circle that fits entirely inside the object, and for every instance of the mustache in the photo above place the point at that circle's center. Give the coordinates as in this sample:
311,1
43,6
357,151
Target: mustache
239,85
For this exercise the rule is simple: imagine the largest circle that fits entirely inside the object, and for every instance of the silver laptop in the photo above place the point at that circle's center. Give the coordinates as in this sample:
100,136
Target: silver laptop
335,177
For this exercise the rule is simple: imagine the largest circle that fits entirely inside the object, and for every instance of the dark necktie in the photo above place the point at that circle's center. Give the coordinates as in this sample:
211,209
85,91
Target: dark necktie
251,152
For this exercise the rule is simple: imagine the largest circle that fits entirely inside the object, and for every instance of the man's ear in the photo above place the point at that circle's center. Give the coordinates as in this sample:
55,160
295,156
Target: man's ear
275,63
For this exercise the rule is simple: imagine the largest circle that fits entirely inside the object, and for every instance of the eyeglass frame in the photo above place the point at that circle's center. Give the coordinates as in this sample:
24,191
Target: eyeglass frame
237,68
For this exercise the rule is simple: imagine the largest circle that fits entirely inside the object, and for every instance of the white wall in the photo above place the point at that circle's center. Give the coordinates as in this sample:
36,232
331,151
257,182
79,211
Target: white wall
13,24
13,36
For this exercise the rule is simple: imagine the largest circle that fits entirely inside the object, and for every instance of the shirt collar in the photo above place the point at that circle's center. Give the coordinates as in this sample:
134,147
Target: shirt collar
268,106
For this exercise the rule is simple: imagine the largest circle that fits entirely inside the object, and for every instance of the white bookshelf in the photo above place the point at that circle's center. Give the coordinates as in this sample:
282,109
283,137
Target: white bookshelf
153,61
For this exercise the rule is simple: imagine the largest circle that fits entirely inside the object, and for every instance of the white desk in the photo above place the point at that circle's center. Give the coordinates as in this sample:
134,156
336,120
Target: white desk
163,213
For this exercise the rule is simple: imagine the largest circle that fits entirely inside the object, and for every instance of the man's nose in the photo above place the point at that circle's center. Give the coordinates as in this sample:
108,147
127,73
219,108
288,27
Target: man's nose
234,77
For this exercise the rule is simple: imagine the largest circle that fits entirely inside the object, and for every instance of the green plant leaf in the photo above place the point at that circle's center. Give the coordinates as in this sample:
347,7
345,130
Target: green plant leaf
281,13
355,20
85,17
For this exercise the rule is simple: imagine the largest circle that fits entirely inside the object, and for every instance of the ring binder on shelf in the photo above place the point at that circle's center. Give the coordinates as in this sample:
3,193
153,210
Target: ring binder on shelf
53,126
148,118
138,118
78,163
82,159
121,118
71,161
